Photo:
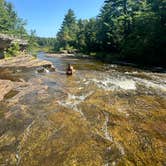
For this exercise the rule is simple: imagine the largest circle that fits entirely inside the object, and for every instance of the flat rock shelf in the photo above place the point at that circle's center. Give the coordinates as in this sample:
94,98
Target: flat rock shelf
103,115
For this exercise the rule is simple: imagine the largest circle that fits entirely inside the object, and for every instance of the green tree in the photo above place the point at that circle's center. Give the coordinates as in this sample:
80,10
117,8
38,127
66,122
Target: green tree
145,44
86,35
90,35
81,38
68,32
13,50
131,30
32,41
115,21
10,23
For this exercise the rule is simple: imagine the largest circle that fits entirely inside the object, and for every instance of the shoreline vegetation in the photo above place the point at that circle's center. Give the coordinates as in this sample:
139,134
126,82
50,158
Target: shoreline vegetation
124,32
128,31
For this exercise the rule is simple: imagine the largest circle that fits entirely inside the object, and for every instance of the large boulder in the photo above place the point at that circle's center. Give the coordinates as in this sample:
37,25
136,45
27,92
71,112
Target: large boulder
7,40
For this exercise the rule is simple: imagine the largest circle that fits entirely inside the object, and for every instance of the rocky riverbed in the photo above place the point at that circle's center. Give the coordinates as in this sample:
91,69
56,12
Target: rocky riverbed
10,79
103,115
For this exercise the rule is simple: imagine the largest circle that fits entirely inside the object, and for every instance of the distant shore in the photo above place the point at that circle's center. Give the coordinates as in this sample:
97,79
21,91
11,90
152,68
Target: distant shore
117,62
71,55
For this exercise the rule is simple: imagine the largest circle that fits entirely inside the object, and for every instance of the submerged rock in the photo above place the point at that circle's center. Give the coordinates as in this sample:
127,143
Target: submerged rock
5,87
40,69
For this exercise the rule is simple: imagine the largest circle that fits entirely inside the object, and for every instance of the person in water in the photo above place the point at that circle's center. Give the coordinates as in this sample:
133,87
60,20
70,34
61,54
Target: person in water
70,70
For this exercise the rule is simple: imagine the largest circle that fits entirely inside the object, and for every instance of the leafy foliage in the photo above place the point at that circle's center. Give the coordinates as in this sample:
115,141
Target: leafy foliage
67,35
10,23
13,50
130,30
46,44
32,40
14,26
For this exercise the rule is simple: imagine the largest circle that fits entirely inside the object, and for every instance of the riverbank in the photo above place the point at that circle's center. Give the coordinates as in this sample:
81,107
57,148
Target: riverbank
10,79
26,61
150,68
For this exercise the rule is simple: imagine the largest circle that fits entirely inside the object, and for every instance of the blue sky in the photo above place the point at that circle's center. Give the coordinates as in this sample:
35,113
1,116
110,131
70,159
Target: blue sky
46,16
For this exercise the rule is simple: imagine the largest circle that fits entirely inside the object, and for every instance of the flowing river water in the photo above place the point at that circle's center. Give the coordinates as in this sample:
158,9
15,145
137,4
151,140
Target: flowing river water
103,115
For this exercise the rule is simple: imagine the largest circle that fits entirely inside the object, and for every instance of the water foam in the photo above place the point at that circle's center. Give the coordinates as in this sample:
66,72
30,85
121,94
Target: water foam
46,70
115,84
73,101
150,84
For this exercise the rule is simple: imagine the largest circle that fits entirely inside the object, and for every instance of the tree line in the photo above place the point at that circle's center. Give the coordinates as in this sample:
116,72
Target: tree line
46,42
12,25
130,30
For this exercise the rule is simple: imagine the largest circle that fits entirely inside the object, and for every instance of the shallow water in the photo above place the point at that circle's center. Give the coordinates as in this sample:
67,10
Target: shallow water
102,115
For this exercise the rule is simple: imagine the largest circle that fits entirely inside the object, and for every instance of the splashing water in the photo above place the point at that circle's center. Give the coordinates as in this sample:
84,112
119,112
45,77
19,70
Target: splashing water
115,84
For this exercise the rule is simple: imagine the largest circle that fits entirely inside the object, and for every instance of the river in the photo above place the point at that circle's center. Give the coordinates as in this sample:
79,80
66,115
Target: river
102,115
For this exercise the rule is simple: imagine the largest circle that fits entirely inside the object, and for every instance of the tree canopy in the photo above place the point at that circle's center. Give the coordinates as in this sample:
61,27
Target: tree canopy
67,35
10,23
135,30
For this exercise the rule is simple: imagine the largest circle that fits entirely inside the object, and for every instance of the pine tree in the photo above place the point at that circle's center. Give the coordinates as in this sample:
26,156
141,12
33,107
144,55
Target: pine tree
10,23
68,32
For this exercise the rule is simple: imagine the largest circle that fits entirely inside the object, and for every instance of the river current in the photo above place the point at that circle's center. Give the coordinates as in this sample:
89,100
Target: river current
102,115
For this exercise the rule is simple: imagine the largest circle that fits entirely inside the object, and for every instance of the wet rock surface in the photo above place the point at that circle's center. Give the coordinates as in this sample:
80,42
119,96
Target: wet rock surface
5,87
25,61
95,117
